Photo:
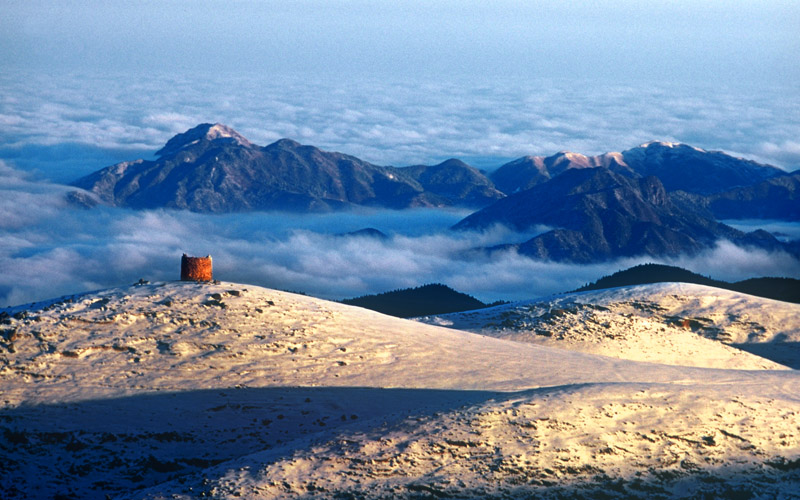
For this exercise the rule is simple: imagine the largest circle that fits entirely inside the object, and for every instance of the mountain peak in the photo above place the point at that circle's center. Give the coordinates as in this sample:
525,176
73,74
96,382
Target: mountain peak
285,144
203,132
219,131
670,145
453,163
568,154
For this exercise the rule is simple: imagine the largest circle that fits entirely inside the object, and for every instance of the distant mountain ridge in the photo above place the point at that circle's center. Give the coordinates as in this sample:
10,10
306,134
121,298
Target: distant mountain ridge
658,199
599,215
213,168
775,198
680,167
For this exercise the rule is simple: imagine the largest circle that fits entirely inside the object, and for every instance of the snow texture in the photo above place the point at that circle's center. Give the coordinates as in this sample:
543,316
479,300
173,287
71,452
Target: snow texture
186,390
669,323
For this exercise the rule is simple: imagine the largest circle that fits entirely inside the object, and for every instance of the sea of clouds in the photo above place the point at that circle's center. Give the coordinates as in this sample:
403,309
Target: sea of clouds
54,129
70,125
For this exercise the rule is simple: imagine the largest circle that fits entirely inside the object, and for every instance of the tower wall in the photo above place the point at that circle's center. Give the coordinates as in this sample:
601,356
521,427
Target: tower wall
196,268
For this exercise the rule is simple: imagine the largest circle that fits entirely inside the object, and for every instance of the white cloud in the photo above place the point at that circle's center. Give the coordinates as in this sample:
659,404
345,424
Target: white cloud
72,125
397,122
25,201
729,262
787,151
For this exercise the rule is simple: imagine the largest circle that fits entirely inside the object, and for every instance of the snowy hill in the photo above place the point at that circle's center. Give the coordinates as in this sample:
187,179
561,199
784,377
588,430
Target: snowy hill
671,323
182,390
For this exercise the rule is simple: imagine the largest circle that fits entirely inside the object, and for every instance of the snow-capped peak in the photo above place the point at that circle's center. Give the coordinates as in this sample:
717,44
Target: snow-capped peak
218,131
203,132
671,145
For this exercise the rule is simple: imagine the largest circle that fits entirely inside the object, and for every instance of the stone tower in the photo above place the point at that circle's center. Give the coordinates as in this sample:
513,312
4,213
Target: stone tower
196,268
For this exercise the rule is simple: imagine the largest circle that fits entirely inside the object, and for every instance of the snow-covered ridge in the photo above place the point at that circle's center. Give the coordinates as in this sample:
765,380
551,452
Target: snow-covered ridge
220,131
671,145
671,323
182,389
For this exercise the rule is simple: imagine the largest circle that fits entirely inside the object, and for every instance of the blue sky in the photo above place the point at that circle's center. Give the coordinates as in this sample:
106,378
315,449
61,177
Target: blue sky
680,40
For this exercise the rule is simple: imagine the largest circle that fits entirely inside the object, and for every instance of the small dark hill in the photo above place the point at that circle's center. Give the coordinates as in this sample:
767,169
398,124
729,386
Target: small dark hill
421,301
649,273
785,289
367,232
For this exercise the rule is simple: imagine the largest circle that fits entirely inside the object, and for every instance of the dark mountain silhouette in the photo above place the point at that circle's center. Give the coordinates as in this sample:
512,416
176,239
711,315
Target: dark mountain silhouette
212,168
786,289
775,198
680,167
367,232
599,215
644,274
453,182
421,301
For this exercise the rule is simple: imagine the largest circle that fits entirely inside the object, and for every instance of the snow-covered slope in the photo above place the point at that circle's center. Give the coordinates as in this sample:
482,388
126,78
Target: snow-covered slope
182,390
181,336
588,441
671,323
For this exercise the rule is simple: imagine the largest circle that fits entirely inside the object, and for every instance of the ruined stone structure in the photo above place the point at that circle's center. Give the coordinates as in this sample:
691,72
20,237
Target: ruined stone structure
196,268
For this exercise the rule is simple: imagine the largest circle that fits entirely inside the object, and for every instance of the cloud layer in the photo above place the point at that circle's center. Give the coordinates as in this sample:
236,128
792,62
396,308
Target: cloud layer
71,125
48,249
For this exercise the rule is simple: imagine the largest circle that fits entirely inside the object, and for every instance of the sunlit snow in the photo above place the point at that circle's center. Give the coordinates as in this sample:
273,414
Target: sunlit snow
182,390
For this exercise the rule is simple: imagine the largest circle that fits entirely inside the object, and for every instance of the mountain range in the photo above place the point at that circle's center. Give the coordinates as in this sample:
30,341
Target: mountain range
212,168
680,167
598,215
658,199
